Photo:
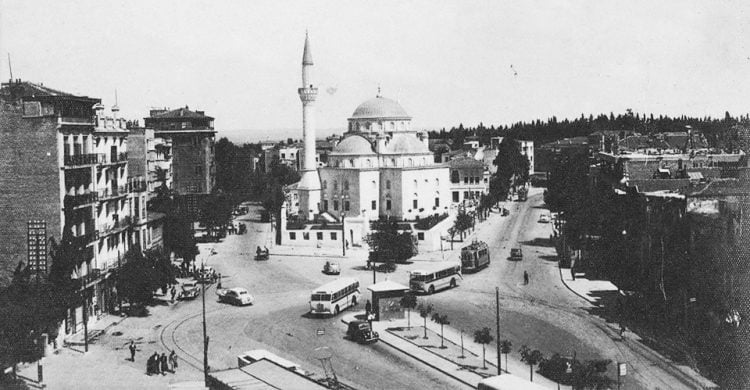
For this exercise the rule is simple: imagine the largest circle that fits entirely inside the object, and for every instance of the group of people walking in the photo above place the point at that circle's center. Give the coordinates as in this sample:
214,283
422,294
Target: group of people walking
156,364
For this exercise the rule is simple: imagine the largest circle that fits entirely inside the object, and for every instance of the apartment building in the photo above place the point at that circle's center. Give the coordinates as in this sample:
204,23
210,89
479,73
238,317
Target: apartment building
64,161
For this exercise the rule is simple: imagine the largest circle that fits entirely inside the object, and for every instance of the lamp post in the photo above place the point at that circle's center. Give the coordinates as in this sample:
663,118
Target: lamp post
203,308
344,200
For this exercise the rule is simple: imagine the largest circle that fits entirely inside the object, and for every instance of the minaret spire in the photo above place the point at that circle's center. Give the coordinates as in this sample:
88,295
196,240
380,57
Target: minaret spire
309,184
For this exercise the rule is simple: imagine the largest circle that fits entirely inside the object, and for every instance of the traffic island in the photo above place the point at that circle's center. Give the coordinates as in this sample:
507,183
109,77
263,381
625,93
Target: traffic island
447,349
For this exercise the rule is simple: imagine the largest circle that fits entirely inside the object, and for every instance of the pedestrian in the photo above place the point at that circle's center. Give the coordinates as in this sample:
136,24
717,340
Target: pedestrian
164,367
150,365
155,363
368,307
218,285
174,292
173,360
525,277
132,351
622,332
572,273
257,251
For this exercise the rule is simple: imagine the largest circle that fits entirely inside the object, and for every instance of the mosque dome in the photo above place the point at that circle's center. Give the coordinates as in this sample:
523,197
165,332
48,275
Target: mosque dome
353,145
380,107
405,144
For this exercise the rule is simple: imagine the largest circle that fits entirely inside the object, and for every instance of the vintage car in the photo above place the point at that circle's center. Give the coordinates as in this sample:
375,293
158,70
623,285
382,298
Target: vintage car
235,296
544,218
361,332
331,268
189,290
206,274
516,253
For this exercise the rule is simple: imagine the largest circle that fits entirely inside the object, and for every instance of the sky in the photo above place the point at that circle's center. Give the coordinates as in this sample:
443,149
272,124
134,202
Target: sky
446,62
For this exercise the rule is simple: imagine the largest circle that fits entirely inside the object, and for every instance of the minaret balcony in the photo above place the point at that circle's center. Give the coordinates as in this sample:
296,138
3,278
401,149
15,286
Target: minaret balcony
307,94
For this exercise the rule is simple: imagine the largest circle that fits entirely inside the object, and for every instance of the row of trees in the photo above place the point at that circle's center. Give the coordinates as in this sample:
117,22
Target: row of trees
715,129
569,371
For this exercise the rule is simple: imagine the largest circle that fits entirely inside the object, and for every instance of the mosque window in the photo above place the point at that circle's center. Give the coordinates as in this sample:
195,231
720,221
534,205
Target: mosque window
410,162
346,185
392,126
325,184
393,162
351,163
335,185
388,204
387,184
415,184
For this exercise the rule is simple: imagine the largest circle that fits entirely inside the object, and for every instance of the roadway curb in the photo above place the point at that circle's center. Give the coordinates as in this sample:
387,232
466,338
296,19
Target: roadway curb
426,363
661,360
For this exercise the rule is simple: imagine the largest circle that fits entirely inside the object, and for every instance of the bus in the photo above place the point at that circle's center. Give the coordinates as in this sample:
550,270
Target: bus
428,281
507,382
335,296
475,256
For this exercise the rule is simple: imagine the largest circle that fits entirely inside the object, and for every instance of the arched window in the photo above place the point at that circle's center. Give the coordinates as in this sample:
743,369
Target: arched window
393,162
351,163
410,162
415,184
437,181
335,185
346,185
325,184
387,184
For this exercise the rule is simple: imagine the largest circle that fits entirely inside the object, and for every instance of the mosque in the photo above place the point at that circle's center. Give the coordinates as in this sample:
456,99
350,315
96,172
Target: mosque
381,167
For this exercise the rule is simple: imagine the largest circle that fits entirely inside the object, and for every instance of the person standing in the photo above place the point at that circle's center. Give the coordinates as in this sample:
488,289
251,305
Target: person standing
368,307
132,350
525,277
164,367
173,360
174,292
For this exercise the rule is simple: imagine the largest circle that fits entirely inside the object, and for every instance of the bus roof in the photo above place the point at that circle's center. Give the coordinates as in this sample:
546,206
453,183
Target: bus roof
435,268
508,382
336,285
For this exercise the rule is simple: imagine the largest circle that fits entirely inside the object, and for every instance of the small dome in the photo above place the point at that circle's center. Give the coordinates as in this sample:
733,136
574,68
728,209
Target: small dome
405,144
354,145
380,107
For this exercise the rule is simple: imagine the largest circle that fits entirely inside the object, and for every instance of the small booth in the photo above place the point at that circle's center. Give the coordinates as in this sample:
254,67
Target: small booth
386,300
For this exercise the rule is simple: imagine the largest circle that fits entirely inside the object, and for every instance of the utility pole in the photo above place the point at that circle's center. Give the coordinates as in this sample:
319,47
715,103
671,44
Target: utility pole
497,338
205,338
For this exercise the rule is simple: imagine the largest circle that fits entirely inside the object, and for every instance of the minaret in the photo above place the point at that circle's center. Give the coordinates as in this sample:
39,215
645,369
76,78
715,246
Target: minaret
309,184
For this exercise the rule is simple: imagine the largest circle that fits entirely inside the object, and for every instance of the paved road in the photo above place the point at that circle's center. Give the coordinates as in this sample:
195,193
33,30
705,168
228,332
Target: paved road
543,314
278,321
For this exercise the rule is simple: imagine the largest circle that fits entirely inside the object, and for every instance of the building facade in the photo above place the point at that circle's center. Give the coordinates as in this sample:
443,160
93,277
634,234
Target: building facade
469,180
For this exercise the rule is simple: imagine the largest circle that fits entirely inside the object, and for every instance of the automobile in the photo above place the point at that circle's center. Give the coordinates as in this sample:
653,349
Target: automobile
516,253
505,212
544,218
361,332
331,268
206,274
189,290
235,296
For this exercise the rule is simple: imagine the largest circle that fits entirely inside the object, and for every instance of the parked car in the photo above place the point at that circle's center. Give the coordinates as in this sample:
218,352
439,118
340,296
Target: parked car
505,212
544,218
361,332
206,275
516,253
189,290
332,268
235,296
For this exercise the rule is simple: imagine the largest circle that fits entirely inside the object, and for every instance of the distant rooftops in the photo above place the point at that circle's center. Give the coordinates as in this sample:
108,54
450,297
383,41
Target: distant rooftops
15,89
182,112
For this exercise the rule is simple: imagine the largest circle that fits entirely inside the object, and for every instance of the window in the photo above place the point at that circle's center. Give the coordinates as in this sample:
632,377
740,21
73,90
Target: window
410,162
416,184
306,235
319,236
466,180
387,204
325,204
416,204
369,163
351,163
199,169
346,185
437,181
292,235
283,155
374,185
346,205
325,184
420,236
454,177
374,205
333,236
466,194
456,196
336,205
437,201
387,184
335,185
393,162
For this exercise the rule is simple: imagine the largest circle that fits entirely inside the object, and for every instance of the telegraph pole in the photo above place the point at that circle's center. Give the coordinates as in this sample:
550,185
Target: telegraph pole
205,338
497,338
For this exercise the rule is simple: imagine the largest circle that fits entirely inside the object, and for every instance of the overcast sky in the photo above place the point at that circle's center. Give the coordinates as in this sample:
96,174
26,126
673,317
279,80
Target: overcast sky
447,62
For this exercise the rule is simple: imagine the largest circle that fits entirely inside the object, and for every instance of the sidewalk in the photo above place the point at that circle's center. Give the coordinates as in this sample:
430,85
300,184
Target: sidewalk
355,253
445,366
587,289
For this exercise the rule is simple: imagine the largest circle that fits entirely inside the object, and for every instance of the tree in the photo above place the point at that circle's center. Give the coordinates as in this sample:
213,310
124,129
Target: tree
424,310
216,212
137,279
164,273
505,347
530,357
408,302
388,245
484,337
179,237
463,222
590,375
512,169
442,320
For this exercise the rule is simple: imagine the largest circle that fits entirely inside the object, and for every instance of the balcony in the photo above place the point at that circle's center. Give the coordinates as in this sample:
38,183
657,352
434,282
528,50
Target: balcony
90,278
73,201
112,193
137,185
76,121
85,239
115,227
118,158
77,160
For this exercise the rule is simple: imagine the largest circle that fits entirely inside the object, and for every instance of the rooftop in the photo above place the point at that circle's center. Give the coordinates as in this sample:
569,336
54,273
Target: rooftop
182,112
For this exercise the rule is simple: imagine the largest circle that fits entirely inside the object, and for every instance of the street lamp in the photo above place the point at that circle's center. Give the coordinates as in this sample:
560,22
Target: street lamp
205,337
344,200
